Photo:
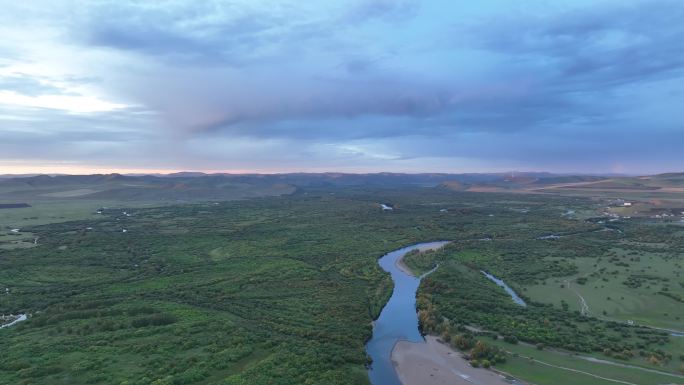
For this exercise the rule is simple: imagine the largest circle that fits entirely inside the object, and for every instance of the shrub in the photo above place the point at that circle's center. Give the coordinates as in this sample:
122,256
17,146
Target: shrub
158,319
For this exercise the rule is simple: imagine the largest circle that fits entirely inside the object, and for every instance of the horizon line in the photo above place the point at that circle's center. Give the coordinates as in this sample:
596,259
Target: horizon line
245,172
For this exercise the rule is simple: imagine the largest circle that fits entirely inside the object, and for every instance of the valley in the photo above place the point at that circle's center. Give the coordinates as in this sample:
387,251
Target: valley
244,291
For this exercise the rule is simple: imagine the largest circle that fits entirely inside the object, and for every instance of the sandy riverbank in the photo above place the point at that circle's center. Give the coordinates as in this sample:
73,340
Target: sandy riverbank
433,363
402,266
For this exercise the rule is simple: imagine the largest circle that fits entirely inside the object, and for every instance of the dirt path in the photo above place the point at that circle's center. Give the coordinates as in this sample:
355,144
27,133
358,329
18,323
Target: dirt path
606,362
585,358
579,371
584,308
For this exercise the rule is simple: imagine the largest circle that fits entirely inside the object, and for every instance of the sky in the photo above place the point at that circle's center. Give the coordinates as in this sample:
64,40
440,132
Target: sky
586,86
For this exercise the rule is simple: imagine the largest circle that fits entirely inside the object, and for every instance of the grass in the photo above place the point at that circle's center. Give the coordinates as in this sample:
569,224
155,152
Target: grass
520,365
44,212
607,295
540,374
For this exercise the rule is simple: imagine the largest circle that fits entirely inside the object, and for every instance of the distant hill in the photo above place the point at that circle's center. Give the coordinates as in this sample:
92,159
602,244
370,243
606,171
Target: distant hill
196,186
664,180
518,181
129,188
670,185
11,176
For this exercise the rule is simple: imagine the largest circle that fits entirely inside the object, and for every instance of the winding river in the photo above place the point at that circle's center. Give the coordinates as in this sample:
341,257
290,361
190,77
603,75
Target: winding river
398,320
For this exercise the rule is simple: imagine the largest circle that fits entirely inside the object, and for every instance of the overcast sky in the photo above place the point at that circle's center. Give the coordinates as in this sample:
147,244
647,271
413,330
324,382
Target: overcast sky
359,85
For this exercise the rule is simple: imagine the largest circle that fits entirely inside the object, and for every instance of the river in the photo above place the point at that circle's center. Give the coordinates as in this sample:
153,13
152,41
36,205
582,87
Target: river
398,320
21,317
514,296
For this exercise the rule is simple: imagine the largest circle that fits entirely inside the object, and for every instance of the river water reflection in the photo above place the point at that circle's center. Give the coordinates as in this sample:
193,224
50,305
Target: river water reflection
398,320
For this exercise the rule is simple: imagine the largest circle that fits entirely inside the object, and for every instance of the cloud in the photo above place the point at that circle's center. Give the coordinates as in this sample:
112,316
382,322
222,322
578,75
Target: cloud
27,85
358,83
388,10
606,45
183,40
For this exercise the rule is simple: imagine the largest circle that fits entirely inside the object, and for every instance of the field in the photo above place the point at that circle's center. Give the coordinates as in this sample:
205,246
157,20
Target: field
79,197
626,288
283,289
46,211
544,367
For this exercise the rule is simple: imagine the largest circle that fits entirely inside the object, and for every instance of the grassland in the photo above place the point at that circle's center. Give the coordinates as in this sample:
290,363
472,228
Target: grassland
79,197
626,287
54,210
282,290
545,367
